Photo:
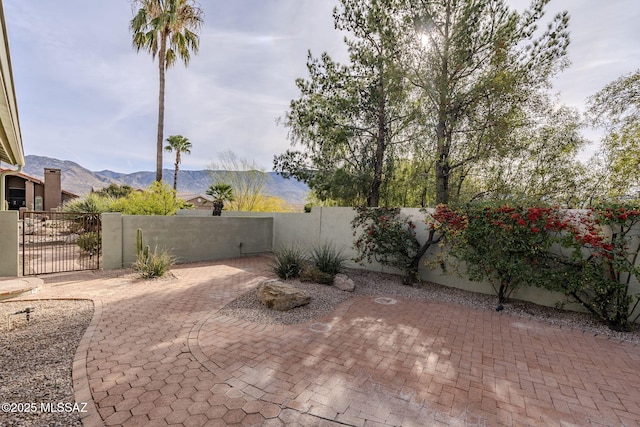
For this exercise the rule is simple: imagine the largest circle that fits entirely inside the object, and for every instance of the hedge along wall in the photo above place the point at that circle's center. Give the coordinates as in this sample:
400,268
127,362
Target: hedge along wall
332,224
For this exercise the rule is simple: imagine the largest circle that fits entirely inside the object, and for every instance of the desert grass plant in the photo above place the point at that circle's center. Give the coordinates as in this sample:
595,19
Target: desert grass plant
289,262
88,210
153,264
327,258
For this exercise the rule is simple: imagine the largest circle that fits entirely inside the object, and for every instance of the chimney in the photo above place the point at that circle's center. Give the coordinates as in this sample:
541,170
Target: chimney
52,189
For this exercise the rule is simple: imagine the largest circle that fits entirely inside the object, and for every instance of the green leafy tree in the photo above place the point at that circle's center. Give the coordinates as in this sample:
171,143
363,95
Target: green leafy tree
618,103
617,108
434,90
350,119
157,199
410,182
545,168
115,191
245,177
221,193
476,64
166,29
180,145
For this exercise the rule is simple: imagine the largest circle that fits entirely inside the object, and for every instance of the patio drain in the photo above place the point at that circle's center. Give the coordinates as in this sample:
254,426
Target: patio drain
320,327
385,301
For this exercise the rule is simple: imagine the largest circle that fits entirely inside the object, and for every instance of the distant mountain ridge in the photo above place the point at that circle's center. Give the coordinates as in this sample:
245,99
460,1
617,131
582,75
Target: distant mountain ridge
80,180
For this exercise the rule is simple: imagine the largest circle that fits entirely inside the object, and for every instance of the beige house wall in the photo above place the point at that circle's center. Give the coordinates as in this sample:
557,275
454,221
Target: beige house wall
52,188
30,195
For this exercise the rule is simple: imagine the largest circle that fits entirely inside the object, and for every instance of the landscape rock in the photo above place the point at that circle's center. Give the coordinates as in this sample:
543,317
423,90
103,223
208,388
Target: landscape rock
344,283
281,296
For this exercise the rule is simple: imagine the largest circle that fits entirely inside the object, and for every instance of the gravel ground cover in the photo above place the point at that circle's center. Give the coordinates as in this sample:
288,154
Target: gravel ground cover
36,356
325,298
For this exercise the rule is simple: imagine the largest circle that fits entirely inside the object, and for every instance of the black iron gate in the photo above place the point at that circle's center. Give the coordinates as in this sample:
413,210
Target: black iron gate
54,242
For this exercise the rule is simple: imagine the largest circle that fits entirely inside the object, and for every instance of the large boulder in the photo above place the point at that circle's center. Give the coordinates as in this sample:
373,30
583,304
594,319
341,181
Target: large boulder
281,296
344,283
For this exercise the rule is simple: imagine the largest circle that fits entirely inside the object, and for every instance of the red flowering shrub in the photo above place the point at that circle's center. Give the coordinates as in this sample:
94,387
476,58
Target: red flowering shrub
597,275
388,237
511,247
502,245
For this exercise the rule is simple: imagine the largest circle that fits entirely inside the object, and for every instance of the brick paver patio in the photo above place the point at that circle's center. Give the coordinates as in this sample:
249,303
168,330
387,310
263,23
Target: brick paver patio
159,353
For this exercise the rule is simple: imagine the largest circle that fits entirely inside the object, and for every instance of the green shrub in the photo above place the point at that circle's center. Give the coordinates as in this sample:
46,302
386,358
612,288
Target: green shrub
328,259
153,264
89,242
387,236
91,203
505,245
594,262
88,209
289,262
157,199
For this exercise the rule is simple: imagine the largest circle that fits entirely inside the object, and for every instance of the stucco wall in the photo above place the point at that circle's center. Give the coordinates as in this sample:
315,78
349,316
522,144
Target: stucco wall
193,239
9,244
198,236
112,241
332,224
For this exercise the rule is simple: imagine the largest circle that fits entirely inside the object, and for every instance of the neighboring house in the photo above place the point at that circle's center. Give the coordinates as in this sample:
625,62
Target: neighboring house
11,150
197,200
24,191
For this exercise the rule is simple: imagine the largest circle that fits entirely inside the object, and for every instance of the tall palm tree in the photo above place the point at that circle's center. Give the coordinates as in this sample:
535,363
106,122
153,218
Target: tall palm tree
166,28
221,193
179,144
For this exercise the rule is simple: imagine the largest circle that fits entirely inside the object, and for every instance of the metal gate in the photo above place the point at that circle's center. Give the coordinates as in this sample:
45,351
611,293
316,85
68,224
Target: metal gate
55,242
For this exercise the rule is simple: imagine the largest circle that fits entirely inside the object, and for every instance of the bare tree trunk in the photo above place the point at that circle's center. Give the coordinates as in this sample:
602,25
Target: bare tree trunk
175,178
175,174
162,69
381,139
218,205
442,151
442,167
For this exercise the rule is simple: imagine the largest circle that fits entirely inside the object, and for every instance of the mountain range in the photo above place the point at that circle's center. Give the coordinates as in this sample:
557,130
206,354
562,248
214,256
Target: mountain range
79,180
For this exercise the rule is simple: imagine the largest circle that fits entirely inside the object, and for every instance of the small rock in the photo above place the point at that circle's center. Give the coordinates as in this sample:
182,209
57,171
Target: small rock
344,283
281,296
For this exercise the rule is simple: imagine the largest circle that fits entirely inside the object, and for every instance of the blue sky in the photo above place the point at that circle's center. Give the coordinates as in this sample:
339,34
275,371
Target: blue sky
85,95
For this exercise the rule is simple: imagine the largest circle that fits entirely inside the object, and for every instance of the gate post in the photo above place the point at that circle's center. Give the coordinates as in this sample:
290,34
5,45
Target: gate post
9,247
111,241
